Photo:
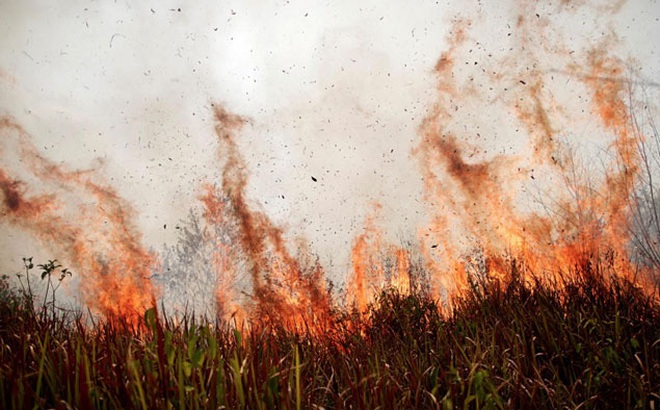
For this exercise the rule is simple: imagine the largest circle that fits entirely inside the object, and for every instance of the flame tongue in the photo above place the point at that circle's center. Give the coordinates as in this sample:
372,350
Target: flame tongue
283,289
84,221
475,202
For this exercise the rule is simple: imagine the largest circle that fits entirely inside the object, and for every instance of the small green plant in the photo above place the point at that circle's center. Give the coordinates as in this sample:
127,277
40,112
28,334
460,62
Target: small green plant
50,269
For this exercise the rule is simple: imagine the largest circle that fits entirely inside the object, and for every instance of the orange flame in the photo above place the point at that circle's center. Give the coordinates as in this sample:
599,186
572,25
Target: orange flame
283,290
86,221
376,266
215,215
475,200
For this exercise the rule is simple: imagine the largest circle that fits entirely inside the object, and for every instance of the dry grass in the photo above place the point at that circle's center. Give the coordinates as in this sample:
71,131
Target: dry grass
593,342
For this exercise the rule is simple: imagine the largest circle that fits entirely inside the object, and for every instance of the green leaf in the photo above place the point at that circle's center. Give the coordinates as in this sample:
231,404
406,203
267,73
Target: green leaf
187,368
198,358
150,318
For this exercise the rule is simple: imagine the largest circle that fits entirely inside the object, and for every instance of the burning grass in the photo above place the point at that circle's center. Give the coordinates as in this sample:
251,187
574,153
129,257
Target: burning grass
592,341
571,320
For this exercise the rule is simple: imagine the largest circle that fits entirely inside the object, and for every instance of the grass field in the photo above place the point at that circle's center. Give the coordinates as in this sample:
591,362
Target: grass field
591,341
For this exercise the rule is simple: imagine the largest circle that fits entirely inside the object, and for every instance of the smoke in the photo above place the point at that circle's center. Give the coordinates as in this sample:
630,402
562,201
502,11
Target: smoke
449,116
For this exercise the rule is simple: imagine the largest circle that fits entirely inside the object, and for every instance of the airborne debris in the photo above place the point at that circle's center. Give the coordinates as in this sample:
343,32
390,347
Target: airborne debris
313,179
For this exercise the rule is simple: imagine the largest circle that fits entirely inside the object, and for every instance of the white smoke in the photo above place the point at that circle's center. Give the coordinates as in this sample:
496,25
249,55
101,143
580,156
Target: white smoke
334,91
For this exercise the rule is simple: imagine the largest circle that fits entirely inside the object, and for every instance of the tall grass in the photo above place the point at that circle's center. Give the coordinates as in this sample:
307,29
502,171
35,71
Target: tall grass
592,341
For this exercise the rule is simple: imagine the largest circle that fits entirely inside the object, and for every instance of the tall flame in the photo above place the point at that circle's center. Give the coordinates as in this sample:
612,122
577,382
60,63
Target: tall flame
283,289
83,220
476,201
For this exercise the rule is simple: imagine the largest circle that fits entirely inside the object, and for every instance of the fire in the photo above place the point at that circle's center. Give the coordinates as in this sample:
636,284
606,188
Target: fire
477,198
475,202
83,220
283,289
216,215
376,265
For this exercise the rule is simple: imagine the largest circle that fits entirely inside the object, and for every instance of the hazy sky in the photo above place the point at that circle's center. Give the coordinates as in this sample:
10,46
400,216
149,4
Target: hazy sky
334,90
